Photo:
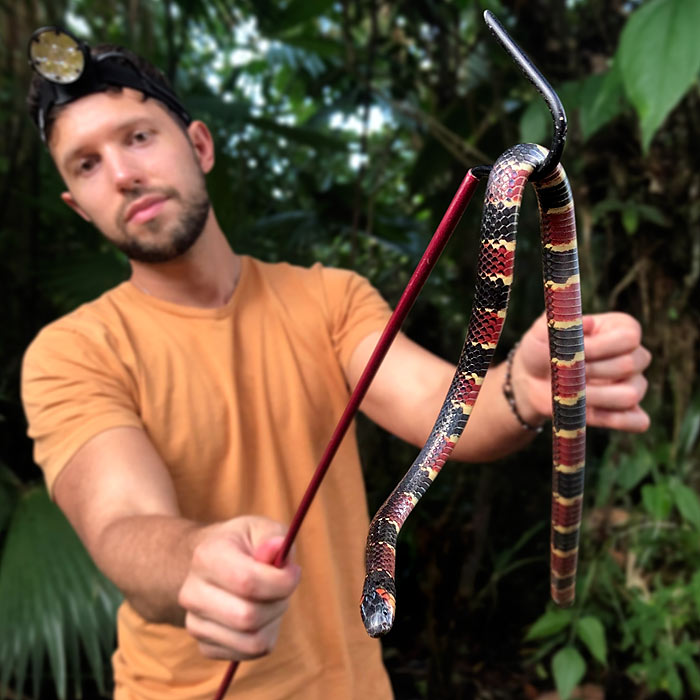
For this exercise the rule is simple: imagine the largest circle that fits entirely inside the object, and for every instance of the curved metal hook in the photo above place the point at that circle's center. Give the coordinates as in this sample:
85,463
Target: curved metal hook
543,87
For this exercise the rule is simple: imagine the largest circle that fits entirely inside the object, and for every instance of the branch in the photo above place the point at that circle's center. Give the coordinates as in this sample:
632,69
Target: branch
462,151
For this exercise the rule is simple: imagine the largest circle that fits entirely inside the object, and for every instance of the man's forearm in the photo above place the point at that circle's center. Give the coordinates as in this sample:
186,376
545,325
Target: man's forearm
148,557
493,431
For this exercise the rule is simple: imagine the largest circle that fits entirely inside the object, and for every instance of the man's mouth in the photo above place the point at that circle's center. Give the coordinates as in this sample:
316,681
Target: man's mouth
145,208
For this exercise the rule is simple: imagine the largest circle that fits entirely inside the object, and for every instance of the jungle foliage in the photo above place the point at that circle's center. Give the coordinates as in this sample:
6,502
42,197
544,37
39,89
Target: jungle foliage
344,127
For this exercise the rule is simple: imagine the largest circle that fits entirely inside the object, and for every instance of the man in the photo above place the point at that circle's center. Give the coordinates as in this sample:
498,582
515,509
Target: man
179,416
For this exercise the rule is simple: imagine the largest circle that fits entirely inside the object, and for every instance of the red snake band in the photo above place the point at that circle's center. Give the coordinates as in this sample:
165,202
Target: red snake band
562,294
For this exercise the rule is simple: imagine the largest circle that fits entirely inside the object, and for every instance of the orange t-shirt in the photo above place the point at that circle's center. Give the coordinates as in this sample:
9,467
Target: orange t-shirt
240,402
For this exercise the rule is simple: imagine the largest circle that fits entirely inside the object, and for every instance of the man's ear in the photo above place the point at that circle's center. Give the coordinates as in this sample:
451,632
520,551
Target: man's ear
203,144
67,197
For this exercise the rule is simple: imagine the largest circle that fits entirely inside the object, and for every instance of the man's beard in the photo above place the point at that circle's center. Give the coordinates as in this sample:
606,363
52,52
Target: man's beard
180,239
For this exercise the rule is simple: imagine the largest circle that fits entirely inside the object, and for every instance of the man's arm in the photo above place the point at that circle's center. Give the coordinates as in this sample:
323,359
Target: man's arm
410,386
215,579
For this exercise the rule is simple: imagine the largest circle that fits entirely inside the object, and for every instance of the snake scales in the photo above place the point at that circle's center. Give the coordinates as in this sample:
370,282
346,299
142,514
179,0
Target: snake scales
506,184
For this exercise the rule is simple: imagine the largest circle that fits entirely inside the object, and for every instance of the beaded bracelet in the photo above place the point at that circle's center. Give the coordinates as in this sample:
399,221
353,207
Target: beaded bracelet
510,396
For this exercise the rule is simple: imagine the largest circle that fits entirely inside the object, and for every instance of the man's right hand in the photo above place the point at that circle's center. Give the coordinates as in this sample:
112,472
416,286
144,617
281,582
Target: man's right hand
233,596
216,579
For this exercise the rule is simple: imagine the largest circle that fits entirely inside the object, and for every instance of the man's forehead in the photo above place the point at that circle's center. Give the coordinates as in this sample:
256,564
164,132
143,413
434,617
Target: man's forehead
99,114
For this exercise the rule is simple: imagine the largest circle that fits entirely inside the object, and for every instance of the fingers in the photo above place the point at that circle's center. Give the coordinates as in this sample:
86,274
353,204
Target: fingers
606,336
616,405
225,566
615,362
615,365
216,641
233,623
234,602
620,396
610,335
635,420
620,366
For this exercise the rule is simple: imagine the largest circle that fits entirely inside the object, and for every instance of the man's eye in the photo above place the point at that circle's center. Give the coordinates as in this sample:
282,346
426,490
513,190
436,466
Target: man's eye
85,166
140,136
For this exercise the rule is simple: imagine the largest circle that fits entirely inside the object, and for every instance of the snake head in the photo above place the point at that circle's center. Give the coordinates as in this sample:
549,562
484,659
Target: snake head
377,608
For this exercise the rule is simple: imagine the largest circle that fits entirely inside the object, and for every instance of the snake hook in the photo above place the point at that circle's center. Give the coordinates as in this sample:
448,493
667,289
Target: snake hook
554,104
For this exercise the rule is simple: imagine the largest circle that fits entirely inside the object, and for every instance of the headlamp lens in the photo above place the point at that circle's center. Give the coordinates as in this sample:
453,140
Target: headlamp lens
56,55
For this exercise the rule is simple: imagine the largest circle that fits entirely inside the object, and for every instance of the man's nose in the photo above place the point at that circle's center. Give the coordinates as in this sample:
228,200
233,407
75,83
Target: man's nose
126,172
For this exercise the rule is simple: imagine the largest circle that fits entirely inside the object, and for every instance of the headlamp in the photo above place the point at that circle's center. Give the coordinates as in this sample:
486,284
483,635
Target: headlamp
71,72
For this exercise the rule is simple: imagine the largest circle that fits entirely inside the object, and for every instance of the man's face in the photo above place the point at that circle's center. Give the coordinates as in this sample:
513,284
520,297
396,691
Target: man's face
132,171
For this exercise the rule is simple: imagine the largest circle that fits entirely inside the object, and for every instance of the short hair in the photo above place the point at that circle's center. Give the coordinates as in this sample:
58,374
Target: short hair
130,58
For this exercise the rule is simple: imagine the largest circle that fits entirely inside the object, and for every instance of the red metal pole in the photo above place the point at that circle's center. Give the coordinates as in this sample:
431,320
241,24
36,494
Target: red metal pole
437,244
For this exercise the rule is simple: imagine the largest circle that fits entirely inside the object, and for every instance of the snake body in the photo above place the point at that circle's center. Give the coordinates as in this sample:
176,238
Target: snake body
506,184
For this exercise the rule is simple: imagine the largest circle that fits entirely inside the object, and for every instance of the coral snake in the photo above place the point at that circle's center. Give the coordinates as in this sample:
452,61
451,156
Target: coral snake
563,305
562,294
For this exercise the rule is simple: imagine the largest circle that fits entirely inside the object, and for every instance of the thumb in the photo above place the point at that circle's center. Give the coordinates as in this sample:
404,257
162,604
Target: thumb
266,552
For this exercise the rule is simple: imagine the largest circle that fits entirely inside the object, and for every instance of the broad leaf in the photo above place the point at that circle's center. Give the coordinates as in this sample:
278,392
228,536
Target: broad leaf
536,123
322,46
297,12
695,591
9,492
601,100
686,501
690,428
634,468
674,683
591,632
536,120
657,500
568,668
687,659
553,621
310,137
52,601
659,57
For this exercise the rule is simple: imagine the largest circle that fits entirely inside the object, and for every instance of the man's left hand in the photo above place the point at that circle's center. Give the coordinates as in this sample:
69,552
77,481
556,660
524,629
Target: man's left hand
615,364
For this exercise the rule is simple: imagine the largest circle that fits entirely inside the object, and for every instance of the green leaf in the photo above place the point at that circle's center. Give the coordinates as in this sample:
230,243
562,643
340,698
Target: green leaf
297,12
607,477
686,501
234,114
692,672
648,212
9,493
601,100
507,555
553,621
568,668
630,220
659,56
496,6
690,428
535,123
634,468
322,46
310,137
657,500
674,684
695,591
591,632
571,94
52,600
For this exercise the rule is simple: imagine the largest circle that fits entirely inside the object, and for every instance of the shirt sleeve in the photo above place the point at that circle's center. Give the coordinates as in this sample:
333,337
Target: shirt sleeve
355,309
73,388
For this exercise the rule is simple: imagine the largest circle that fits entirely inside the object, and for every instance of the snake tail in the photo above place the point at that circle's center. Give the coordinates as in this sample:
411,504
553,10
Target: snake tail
504,191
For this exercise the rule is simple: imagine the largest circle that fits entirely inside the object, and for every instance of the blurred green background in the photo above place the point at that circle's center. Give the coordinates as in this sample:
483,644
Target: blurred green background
343,129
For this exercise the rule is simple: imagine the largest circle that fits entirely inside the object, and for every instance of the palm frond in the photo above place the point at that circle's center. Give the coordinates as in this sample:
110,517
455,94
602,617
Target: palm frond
54,603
